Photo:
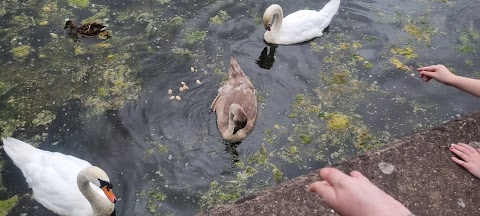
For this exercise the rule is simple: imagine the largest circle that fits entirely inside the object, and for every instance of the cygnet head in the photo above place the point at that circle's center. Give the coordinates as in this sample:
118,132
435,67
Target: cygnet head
239,117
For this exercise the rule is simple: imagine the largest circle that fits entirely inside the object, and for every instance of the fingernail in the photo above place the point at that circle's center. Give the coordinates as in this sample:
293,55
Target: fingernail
452,144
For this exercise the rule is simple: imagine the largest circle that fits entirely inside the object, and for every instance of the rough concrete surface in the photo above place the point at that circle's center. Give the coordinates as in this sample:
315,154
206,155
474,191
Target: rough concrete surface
415,170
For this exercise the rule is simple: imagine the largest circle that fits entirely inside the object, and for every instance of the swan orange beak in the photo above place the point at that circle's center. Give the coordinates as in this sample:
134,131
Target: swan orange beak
109,194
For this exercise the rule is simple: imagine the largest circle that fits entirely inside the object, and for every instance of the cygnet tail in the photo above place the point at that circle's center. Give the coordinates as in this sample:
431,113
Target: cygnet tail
235,71
20,152
331,8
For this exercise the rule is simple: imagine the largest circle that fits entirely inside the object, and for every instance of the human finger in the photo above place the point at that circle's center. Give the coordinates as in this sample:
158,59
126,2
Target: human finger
324,190
318,184
463,149
357,174
459,153
428,74
468,147
428,68
333,176
478,150
459,162
426,79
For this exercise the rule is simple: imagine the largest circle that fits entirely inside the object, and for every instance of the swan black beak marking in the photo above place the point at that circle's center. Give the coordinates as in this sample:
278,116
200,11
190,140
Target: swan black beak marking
107,189
268,27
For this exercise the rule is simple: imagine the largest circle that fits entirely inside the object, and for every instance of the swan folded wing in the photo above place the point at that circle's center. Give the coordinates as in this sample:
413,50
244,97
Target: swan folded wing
303,25
243,95
53,180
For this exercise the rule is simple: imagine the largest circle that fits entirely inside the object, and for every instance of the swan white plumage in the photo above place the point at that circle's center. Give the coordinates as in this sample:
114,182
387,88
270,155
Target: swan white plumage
62,183
299,26
235,105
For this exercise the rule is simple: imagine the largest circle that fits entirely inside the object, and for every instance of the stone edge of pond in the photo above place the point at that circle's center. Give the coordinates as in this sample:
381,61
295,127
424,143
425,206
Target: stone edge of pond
424,178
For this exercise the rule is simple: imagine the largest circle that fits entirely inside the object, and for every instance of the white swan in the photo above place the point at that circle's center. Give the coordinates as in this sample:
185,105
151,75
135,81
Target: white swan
58,180
297,27
235,105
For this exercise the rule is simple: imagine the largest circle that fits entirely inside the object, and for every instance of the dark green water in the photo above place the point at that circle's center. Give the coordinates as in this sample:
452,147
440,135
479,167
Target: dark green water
322,101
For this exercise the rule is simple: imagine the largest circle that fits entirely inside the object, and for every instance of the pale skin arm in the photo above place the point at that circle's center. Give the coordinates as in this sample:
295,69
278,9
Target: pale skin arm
355,195
443,75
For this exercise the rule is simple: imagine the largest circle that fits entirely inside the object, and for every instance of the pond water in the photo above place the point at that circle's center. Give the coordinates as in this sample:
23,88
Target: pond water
322,101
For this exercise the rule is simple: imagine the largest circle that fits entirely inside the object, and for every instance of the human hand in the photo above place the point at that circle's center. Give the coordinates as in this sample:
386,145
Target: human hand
355,195
437,72
470,157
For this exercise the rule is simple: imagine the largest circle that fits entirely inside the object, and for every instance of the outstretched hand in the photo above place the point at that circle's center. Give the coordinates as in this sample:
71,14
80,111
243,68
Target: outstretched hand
470,157
355,195
437,72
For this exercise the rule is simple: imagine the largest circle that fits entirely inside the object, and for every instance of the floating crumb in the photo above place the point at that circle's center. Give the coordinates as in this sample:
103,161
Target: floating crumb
53,35
198,82
183,83
185,87
178,98
170,91
192,69
172,97
181,89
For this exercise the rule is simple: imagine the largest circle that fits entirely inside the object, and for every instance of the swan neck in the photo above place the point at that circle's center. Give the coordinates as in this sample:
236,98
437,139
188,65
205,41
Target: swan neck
100,205
278,17
235,110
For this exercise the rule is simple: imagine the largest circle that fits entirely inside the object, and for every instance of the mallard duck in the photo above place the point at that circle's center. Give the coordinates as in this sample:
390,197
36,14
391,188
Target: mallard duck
62,183
299,26
85,30
235,105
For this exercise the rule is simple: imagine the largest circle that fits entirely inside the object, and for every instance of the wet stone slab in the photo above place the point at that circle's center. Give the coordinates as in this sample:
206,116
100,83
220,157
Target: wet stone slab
415,170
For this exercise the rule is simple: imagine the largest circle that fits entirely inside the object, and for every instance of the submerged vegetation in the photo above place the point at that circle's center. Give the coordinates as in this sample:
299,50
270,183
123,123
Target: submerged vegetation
8,204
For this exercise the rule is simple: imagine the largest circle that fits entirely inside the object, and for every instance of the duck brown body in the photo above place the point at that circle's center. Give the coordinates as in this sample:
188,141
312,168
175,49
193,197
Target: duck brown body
85,30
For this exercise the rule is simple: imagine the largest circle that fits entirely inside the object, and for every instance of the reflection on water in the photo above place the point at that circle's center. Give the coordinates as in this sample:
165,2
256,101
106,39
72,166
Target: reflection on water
322,101
267,57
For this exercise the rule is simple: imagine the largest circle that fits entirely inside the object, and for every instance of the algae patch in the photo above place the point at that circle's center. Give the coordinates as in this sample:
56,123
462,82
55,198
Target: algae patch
195,36
218,19
78,3
337,121
21,51
7,205
398,64
422,33
277,174
466,44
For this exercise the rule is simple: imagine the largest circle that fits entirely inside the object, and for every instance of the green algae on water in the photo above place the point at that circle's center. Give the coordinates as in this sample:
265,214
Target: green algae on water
466,45
337,121
218,19
8,204
163,1
21,51
423,33
277,174
43,118
306,138
176,20
367,65
398,64
78,3
195,36
407,52
259,157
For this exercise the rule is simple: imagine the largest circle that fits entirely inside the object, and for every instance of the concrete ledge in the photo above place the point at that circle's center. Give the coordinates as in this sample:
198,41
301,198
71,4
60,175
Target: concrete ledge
424,178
